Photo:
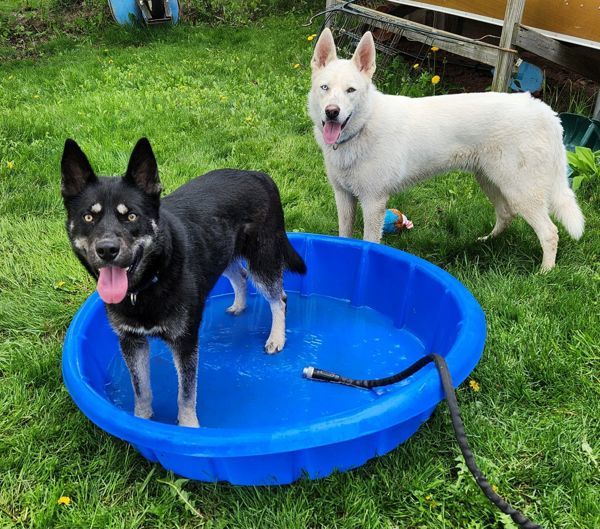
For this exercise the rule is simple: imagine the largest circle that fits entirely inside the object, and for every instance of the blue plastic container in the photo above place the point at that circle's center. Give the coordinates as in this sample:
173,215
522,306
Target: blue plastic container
363,310
127,11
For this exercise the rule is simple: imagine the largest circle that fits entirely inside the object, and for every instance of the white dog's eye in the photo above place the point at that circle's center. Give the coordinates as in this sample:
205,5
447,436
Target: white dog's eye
324,87
88,218
350,90
131,217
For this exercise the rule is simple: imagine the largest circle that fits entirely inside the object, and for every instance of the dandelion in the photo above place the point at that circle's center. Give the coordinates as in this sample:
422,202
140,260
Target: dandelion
474,385
416,66
223,98
311,37
296,66
495,489
36,96
10,164
435,79
64,500
434,49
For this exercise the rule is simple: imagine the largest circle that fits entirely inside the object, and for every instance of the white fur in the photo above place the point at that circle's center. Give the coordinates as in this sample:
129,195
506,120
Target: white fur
96,208
511,142
122,209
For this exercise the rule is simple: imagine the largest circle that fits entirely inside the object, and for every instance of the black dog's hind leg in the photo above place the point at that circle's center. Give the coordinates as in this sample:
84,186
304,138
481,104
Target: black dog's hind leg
237,276
136,354
271,287
185,356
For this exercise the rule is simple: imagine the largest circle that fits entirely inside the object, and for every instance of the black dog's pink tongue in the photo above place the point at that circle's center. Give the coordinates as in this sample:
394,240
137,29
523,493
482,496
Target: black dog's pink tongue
112,284
331,132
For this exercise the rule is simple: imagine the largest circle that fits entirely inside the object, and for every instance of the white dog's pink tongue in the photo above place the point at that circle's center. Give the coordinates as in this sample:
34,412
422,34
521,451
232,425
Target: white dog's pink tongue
331,132
112,284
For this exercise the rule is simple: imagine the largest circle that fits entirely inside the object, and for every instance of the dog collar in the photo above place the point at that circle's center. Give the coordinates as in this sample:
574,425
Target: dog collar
338,143
133,295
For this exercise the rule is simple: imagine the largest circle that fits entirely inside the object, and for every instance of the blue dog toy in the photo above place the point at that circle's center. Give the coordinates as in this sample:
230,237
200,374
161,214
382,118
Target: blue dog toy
395,221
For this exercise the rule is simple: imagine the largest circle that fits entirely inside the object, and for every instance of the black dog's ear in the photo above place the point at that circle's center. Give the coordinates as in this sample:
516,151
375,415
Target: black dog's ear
75,170
142,170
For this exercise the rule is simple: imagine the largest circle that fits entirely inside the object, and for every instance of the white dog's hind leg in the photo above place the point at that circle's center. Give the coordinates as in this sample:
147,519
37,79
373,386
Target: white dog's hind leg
237,276
547,233
346,210
504,214
373,215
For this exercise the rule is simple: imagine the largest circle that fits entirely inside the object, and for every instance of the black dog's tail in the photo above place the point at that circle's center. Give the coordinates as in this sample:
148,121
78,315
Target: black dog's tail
293,261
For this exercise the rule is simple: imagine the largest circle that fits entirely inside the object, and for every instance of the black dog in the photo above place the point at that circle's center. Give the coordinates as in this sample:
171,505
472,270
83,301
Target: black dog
156,260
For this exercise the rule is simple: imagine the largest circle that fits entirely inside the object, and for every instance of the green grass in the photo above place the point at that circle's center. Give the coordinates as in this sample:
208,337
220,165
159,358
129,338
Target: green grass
216,97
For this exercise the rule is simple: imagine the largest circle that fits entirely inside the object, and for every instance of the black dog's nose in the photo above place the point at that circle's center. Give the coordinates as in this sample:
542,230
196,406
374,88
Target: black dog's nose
108,249
332,111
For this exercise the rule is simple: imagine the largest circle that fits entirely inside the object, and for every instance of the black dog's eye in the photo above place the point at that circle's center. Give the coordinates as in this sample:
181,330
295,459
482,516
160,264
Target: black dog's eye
88,217
350,90
131,217
324,87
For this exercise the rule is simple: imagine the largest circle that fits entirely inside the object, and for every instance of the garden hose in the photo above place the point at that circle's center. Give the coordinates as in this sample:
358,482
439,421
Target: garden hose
519,518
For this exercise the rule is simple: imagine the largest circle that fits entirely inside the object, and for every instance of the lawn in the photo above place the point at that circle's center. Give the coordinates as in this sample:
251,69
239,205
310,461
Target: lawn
210,97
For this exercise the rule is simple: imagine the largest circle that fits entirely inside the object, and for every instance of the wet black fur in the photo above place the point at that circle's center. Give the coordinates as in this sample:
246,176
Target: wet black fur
203,226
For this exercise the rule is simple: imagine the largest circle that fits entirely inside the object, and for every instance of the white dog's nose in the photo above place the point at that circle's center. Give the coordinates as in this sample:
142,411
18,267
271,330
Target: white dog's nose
332,111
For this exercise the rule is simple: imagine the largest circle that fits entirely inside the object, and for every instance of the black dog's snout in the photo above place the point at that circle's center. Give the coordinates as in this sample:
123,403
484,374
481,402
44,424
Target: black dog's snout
108,249
332,111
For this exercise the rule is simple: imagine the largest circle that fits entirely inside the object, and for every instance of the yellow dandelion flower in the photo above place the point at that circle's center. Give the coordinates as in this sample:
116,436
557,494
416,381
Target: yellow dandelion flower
59,284
495,489
474,385
10,164
434,49
311,37
36,96
223,98
64,500
435,79
296,65
416,66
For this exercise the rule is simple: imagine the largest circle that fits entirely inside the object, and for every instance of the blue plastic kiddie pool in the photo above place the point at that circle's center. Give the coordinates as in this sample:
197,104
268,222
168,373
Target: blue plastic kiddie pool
364,310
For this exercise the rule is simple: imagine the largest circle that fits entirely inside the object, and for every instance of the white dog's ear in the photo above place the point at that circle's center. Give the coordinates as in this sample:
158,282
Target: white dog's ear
364,56
324,51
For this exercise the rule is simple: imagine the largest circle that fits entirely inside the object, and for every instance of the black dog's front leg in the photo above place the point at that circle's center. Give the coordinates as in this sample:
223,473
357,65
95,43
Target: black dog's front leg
136,353
185,356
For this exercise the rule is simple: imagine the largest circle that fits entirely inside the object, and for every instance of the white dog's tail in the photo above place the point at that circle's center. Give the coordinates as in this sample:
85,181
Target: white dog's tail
565,207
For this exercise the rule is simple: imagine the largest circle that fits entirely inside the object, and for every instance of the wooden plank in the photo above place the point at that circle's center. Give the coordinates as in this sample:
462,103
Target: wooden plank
577,18
463,46
578,60
506,60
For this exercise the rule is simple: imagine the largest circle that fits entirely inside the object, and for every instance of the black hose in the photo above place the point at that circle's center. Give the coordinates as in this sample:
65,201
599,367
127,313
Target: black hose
459,430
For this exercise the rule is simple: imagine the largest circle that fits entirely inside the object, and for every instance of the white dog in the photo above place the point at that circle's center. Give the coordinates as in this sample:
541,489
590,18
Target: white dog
376,144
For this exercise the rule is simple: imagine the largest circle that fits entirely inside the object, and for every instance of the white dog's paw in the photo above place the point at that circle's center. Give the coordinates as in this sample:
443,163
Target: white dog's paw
274,344
188,419
484,238
235,310
143,411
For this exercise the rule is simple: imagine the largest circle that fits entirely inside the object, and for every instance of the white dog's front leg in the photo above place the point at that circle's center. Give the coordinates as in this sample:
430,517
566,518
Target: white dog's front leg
373,215
346,210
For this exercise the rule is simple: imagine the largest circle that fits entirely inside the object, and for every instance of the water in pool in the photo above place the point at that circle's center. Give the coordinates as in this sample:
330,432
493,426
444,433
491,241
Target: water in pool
240,386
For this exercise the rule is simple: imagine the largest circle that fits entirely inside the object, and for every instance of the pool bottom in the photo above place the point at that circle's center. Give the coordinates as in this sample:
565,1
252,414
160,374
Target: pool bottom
269,389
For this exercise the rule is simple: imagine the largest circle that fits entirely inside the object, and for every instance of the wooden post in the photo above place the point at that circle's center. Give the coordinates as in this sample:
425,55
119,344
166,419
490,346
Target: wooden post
506,59
328,5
